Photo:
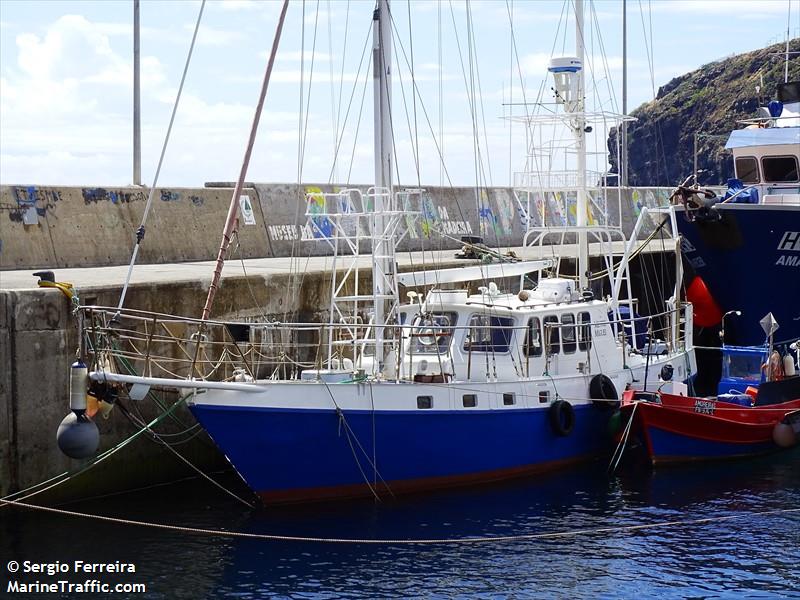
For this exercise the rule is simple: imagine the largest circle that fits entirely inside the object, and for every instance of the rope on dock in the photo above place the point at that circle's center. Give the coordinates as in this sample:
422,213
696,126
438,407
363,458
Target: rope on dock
69,475
400,542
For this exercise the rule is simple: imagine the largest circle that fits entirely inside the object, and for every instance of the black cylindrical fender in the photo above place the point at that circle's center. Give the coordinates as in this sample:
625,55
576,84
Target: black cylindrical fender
602,389
562,417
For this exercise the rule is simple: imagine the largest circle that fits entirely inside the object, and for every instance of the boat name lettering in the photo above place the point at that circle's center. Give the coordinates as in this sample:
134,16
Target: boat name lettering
600,330
704,407
788,261
790,242
697,262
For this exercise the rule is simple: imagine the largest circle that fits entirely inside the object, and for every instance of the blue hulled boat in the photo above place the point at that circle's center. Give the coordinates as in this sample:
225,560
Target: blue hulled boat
745,245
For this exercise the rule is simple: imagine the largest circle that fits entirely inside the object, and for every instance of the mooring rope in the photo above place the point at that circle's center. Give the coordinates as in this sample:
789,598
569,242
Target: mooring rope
68,476
400,542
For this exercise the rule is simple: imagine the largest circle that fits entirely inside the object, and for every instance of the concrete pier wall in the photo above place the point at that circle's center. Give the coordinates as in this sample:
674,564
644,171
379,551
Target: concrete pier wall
61,227
39,341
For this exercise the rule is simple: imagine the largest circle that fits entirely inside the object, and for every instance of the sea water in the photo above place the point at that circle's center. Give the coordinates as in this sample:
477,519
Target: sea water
600,554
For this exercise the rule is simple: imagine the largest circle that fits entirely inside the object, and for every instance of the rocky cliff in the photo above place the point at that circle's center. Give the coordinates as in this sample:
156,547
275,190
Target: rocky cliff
707,102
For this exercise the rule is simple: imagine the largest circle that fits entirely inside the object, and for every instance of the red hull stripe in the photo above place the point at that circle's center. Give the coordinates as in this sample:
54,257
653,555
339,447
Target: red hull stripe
412,485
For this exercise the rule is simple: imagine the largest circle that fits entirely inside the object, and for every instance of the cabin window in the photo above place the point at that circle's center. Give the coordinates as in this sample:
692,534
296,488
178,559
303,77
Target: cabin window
431,333
470,400
778,169
584,331
424,401
568,333
747,169
533,338
551,334
544,397
488,333
509,399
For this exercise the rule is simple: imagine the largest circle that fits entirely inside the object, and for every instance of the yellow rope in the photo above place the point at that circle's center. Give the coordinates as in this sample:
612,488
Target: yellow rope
396,542
66,288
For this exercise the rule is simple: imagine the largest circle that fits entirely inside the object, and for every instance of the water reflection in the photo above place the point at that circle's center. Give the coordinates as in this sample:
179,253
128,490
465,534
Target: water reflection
756,556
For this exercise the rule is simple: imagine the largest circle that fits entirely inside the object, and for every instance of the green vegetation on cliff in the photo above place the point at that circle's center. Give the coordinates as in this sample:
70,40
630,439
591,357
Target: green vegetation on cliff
708,101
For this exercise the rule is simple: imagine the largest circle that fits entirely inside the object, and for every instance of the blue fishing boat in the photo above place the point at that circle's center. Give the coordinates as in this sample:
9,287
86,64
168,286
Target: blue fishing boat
745,245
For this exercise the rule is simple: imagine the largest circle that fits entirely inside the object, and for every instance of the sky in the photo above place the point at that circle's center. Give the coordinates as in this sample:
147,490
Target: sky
66,83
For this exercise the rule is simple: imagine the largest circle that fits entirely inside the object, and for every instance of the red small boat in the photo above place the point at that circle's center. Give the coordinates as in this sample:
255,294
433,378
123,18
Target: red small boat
675,428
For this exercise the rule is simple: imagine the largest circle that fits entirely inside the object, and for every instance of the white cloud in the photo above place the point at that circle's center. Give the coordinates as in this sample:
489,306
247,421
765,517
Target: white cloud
294,56
241,5
740,9
210,36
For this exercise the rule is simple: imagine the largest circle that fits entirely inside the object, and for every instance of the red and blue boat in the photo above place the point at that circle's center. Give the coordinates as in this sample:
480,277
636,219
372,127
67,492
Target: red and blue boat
673,428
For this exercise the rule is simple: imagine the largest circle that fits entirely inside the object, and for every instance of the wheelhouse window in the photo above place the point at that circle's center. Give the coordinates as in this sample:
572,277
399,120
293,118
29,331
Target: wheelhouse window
584,331
747,169
568,333
533,338
488,333
431,333
551,334
779,169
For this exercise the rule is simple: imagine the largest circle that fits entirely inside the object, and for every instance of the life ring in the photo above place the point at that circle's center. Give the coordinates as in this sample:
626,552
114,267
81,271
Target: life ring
562,417
602,389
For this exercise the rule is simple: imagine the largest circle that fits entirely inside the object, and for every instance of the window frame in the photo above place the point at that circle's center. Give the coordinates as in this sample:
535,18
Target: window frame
757,169
554,337
493,329
584,330
568,346
421,401
781,156
442,344
539,347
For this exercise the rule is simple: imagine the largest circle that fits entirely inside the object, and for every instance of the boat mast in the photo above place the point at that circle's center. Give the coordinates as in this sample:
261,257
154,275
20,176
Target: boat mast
382,253
382,93
137,96
579,127
623,166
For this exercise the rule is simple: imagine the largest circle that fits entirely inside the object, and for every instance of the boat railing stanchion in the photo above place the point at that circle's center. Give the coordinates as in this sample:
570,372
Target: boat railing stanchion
469,339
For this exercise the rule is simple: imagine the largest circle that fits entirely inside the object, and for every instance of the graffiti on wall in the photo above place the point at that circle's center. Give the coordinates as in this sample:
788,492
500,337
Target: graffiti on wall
97,195
30,203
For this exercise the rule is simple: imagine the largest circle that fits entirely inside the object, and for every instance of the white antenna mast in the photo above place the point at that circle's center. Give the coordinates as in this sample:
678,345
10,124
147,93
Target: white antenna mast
580,139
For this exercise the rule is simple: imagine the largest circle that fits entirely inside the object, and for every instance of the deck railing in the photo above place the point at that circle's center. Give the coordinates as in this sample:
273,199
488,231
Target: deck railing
154,345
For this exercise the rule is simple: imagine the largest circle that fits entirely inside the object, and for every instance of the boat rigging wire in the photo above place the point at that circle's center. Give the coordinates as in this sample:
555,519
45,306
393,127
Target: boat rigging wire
620,449
232,219
404,542
140,232
158,438
57,480
413,96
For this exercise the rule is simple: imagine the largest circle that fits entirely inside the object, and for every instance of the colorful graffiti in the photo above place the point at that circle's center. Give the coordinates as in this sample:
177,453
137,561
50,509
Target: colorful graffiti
169,196
32,203
319,227
429,220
